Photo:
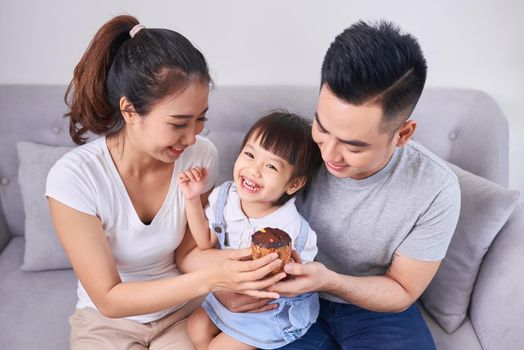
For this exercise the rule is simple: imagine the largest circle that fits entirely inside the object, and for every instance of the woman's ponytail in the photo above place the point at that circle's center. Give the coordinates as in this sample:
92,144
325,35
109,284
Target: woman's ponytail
145,68
86,96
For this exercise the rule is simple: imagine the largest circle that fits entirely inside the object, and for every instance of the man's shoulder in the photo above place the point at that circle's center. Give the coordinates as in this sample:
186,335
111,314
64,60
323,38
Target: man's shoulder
422,165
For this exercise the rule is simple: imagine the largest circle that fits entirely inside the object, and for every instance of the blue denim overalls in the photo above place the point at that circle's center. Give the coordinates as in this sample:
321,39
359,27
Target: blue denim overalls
266,330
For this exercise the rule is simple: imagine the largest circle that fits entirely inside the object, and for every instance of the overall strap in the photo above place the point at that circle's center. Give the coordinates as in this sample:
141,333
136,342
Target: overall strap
219,226
302,236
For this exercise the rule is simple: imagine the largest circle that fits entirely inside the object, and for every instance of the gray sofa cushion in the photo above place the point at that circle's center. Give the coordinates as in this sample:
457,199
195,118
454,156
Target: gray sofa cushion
497,306
42,248
34,306
485,207
464,338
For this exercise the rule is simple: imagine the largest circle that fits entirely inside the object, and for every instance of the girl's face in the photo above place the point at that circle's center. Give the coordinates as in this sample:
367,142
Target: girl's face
261,176
172,124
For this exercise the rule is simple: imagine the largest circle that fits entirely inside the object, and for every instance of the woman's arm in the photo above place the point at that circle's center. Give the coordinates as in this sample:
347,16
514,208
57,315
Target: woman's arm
85,243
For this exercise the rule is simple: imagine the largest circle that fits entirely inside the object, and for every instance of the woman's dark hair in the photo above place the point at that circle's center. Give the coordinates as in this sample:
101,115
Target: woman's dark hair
155,63
376,64
288,136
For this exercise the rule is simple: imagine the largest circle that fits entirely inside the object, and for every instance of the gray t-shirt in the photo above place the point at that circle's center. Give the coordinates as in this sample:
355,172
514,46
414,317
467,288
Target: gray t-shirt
411,205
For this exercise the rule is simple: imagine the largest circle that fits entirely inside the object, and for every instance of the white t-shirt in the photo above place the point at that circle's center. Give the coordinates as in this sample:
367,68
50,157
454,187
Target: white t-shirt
240,227
86,179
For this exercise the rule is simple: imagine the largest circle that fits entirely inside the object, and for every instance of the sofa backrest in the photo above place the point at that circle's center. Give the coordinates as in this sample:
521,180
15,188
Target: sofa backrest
465,127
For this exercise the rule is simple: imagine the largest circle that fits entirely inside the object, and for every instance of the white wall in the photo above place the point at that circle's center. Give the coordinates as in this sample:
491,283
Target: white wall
476,44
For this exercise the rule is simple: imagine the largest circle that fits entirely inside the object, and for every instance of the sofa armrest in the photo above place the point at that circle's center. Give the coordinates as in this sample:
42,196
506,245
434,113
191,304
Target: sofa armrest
4,233
497,303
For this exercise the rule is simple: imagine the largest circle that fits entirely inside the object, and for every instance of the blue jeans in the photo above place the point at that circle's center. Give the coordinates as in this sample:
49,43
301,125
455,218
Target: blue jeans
345,326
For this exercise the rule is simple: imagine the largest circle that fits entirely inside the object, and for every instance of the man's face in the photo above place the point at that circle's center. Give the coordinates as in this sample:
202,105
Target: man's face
349,137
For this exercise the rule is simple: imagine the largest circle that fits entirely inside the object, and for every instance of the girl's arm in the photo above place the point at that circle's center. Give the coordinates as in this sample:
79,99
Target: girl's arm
198,224
192,182
86,245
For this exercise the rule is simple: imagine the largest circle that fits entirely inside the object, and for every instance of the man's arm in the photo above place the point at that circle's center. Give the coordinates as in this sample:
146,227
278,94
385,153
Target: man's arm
405,279
394,291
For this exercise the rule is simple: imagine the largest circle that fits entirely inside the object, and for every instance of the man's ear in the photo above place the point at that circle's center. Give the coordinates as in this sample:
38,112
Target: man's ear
296,184
128,110
405,132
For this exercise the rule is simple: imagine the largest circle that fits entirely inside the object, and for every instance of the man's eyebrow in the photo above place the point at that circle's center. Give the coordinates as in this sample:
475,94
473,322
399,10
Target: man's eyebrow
187,116
356,143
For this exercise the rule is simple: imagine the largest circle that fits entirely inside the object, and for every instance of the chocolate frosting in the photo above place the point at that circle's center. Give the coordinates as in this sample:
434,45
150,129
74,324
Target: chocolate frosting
270,237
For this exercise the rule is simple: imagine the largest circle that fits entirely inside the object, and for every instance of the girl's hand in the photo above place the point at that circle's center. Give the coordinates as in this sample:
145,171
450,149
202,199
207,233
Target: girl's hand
246,276
192,182
295,257
236,302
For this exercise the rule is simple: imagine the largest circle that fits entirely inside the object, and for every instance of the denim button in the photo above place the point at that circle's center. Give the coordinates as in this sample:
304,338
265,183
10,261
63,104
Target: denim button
218,229
4,181
452,135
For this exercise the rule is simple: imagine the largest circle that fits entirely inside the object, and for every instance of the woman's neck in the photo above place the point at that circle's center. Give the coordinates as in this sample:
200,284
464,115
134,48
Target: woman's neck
129,159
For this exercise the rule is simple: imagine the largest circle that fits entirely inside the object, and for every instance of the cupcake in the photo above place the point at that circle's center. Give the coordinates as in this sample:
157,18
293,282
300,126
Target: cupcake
269,240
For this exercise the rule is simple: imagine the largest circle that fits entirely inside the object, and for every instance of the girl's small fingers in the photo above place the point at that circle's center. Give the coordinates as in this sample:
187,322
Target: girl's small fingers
195,172
182,178
296,258
190,175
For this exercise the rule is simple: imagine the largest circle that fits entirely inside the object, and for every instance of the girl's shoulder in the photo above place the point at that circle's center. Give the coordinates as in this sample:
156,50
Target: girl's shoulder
226,189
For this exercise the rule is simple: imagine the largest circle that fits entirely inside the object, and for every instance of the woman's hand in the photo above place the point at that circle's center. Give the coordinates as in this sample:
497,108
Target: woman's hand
246,276
192,182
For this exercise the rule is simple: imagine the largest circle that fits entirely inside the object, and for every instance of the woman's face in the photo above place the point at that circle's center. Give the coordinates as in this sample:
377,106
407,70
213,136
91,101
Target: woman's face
172,124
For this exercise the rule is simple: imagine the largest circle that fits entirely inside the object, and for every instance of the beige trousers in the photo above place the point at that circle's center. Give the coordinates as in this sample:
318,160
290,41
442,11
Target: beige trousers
91,330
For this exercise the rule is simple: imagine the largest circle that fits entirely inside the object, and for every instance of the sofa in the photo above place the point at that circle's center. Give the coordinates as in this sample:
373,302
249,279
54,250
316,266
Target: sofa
476,301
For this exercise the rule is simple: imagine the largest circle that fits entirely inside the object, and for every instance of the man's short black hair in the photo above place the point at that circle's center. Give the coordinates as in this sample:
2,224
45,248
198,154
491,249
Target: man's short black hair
376,64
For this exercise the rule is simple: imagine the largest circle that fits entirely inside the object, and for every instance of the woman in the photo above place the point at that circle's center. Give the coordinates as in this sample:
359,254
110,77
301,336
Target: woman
115,204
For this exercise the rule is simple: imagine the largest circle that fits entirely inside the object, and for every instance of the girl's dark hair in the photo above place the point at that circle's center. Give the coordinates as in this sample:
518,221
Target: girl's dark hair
155,63
288,136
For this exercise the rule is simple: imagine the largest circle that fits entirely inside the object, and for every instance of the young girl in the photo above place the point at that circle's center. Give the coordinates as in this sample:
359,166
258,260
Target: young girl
276,160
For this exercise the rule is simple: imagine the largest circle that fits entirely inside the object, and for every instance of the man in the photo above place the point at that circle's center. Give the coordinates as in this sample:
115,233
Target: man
384,208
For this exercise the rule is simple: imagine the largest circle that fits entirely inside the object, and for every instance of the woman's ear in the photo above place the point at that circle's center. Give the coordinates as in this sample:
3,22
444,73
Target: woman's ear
296,184
128,110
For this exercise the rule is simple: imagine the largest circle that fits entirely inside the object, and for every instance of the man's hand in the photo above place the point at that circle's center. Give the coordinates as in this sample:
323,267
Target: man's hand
236,302
306,278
